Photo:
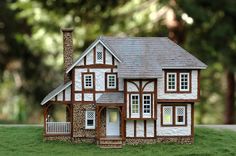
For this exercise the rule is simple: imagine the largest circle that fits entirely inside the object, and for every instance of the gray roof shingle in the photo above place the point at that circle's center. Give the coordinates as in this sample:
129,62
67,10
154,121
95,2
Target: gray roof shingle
111,97
145,57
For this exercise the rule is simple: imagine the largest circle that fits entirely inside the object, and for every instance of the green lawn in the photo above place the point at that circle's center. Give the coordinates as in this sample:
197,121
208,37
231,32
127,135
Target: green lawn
28,141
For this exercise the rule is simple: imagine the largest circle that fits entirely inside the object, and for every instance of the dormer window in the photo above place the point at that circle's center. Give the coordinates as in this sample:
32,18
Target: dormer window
99,57
171,82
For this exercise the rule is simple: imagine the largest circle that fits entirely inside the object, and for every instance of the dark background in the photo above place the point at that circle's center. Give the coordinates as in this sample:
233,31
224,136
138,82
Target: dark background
31,61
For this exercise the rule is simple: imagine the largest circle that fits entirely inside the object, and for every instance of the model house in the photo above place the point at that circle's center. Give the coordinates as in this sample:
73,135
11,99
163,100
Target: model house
127,90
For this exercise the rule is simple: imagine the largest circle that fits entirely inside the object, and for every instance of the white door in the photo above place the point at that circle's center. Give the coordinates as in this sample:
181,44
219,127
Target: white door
113,122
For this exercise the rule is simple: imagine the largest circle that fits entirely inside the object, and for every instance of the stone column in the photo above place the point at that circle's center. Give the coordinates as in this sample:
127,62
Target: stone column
67,50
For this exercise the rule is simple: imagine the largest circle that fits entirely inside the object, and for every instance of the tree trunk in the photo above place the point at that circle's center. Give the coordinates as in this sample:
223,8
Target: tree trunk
229,106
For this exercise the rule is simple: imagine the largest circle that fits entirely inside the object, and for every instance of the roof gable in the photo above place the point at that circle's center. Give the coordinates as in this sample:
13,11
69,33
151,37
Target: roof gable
97,41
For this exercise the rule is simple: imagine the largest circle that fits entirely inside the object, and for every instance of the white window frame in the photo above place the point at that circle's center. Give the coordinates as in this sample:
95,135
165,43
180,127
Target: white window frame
88,87
180,81
176,115
115,81
86,119
150,105
167,81
131,103
171,113
97,60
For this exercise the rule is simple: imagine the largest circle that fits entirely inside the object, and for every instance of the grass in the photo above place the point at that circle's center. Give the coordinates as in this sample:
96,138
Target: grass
28,141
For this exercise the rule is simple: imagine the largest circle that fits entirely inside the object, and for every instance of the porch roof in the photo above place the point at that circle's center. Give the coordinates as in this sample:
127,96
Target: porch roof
111,98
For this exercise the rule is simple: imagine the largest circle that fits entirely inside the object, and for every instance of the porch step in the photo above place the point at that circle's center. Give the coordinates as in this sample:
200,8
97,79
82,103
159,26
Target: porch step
110,142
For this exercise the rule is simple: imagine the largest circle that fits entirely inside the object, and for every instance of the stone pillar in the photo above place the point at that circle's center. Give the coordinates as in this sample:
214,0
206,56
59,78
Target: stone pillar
67,50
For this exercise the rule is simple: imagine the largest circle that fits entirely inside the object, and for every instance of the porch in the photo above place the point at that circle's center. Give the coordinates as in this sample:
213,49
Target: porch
110,123
54,126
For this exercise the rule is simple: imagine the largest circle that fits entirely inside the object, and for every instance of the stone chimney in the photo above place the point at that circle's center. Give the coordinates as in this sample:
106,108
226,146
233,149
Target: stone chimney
67,50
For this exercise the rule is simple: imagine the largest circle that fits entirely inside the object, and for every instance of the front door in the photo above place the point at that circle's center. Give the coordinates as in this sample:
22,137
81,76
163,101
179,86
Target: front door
112,122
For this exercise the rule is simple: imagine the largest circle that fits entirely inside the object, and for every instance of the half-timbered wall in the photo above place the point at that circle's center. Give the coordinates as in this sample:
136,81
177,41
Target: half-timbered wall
64,95
140,128
193,95
174,130
140,87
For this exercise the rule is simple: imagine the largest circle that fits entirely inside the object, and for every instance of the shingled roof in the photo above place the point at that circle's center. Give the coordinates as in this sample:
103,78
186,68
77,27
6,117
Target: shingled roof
112,97
145,57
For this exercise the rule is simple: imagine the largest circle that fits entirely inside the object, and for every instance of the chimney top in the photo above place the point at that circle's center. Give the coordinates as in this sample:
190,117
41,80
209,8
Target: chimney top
67,29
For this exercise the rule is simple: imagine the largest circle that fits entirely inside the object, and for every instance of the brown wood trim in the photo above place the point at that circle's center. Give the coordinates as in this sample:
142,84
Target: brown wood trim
110,104
59,102
125,97
134,84
91,91
113,60
140,99
178,80
139,119
145,128
198,83
155,98
173,115
96,66
117,84
192,119
141,137
85,60
176,100
104,55
135,124
155,128
149,81
94,55
64,98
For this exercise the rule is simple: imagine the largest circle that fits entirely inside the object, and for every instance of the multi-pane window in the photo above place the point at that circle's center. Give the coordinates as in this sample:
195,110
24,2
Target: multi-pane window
99,57
90,119
135,104
184,82
180,115
147,104
167,115
111,81
174,115
88,81
171,82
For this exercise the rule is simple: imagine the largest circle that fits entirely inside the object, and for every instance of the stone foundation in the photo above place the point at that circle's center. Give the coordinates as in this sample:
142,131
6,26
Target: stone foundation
84,140
136,141
179,140
57,138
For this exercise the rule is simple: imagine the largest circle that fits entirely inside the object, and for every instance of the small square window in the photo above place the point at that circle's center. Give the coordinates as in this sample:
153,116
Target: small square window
171,81
90,120
180,115
88,81
111,81
99,57
184,81
167,115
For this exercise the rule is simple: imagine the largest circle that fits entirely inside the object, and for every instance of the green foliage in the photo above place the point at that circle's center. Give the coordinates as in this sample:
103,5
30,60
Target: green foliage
29,141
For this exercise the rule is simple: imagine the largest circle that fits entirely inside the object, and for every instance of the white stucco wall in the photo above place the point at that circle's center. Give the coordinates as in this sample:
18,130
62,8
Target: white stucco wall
78,79
149,87
140,128
173,131
121,83
60,96
108,58
161,89
89,58
78,97
131,87
68,94
150,128
129,128
100,78
127,111
88,97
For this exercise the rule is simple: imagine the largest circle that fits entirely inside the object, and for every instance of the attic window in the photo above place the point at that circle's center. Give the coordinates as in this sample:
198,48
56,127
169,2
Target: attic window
99,57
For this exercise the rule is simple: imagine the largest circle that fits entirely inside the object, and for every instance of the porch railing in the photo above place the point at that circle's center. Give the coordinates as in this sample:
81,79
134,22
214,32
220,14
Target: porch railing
58,127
